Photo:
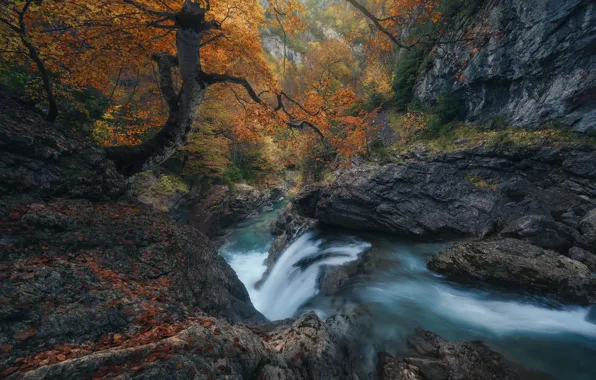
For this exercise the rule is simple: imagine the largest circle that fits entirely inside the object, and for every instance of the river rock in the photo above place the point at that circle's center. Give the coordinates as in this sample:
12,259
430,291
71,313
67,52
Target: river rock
542,231
470,193
588,228
430,357
583,256
515,264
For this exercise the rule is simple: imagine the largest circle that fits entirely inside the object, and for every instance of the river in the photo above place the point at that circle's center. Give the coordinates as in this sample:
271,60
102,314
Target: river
398,294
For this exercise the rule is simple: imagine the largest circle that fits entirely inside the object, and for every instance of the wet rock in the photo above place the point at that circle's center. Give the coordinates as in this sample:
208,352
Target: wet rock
430,357
583,256
286,227
431,369
512,263
390,368
588,228
471,193
542,231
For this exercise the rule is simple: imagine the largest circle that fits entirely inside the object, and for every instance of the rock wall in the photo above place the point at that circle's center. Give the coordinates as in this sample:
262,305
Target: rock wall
540,70
208,208
471,193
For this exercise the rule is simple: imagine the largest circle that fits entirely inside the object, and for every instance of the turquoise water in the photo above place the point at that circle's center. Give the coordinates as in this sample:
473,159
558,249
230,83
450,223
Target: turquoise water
397,294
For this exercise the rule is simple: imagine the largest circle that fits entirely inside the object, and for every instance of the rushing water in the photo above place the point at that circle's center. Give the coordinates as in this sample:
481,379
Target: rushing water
397,294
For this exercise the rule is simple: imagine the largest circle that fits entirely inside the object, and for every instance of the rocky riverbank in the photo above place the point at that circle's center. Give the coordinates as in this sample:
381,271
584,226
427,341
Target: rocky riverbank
95,284
532,207
209,208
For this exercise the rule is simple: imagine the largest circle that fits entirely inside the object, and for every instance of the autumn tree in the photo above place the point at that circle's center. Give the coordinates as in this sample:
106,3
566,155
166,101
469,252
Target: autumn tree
193,47
15,19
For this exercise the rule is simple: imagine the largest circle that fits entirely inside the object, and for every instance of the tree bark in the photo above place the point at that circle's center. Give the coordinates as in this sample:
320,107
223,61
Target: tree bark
183,105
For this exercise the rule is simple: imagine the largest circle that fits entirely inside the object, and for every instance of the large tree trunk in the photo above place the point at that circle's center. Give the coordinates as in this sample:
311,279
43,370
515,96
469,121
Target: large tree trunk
183,106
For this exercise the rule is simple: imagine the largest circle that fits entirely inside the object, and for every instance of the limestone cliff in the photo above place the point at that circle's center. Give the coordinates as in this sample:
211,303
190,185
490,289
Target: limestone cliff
539,68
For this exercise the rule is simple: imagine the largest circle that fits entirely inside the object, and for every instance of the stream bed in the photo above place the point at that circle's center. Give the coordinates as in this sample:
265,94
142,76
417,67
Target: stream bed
397,294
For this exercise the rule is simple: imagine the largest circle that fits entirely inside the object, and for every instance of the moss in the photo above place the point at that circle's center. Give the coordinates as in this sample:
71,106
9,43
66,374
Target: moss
170,184
457,136
479,182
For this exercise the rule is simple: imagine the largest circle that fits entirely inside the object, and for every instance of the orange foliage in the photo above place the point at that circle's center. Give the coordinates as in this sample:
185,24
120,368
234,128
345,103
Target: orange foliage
395,18
107,45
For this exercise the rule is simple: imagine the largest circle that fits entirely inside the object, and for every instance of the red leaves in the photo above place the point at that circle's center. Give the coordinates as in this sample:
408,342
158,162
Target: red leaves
61,357
9,371
25,334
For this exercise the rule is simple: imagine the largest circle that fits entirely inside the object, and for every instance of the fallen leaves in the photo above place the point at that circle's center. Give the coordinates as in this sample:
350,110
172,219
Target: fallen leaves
25,334
6,347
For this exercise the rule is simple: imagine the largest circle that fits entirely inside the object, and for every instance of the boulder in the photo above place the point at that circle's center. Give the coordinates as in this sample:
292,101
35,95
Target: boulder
588,228
516,264
430,357
542,231
583,256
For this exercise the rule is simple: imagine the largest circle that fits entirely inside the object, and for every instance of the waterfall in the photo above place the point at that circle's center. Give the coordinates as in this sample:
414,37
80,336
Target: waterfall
293,279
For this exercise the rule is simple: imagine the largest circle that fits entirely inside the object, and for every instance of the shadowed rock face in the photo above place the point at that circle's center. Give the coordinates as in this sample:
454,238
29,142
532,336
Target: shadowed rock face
538,68
430,357
515,264
471,193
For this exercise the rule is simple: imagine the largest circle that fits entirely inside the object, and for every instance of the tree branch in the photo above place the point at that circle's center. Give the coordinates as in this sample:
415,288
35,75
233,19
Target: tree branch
145,9
224,78
165,62
377,24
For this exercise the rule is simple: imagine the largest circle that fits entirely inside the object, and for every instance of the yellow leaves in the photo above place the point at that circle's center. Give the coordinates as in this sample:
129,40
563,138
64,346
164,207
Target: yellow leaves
288,13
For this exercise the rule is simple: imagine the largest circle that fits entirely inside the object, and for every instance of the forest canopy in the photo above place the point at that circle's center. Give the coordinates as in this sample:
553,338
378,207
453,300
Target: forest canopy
238,88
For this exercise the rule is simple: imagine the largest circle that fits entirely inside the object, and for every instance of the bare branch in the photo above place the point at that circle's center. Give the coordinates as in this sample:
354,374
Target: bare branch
377,24
145,9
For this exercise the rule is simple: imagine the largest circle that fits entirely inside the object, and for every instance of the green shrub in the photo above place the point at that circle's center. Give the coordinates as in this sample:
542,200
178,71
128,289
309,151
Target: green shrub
443,121
405,73
234,174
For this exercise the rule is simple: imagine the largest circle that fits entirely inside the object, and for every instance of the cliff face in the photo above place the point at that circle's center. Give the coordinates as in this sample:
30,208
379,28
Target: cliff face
540,69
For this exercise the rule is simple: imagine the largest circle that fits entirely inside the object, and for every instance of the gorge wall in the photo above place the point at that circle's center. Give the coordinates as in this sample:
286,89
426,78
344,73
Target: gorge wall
538,69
